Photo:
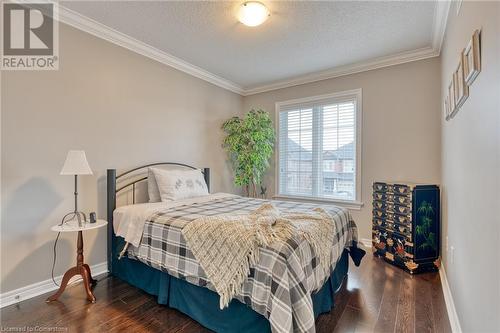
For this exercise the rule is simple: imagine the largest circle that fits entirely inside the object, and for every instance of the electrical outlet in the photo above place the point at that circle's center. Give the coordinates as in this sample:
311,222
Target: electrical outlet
451,254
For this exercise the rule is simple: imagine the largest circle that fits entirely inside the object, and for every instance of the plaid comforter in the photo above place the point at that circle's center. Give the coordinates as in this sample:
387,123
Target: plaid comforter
279,287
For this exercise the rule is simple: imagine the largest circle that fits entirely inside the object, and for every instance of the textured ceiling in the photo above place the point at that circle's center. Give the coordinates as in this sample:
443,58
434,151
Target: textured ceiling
299,38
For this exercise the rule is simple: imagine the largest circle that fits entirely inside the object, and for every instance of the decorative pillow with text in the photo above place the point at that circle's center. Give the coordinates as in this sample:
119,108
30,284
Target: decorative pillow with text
180,184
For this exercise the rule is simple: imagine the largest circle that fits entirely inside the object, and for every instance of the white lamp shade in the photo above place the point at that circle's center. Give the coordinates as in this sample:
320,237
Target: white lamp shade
76,164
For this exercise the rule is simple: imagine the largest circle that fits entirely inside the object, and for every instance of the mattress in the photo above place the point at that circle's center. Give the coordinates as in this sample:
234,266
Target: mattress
279,287
128,221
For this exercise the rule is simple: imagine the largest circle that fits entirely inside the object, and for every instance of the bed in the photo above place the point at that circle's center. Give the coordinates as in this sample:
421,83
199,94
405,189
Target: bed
284,291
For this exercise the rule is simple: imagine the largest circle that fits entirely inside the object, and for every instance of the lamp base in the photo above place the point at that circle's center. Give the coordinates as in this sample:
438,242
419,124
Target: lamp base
80,269
79,216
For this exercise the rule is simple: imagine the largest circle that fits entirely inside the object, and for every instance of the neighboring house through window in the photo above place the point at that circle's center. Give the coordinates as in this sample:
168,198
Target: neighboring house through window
319,152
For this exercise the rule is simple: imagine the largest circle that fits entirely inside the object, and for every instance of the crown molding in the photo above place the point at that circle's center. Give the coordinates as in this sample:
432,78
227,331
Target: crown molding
438,30
439,24
111,35
359,67
102,31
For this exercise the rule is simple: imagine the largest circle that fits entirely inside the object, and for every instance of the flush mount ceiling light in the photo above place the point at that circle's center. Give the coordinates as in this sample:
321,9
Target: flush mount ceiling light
253,13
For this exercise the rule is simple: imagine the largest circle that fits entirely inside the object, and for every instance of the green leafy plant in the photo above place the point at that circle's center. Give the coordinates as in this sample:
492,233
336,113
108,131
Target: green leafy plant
249,142
424,228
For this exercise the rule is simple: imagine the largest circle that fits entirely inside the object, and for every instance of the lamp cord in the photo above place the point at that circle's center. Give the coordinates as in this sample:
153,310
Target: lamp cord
63,220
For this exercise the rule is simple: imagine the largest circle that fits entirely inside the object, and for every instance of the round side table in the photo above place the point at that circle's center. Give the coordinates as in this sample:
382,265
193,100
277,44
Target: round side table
81,268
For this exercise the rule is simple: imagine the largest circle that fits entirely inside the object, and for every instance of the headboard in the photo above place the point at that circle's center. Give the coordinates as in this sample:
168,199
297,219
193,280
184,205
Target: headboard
125,183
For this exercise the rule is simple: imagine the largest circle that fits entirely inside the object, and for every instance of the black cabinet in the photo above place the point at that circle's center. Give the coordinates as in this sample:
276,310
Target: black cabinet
406,225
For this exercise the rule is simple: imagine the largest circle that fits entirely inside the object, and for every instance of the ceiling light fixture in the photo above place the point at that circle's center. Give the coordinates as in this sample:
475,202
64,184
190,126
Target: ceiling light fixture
253,13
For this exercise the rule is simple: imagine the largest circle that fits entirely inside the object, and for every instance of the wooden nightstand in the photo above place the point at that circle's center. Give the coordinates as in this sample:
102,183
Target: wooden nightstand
81,268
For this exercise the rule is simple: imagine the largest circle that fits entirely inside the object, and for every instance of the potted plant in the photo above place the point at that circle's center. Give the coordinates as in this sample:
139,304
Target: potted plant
249,142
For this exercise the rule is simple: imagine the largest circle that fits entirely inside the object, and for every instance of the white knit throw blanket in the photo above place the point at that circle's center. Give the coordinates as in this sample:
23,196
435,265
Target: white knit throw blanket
226,246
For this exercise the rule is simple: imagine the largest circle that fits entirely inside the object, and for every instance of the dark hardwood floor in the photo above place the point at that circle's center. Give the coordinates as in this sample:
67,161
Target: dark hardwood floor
376,297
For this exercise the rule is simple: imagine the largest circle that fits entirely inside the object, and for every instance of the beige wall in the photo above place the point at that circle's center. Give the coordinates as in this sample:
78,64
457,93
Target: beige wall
470,172
401,124
124,110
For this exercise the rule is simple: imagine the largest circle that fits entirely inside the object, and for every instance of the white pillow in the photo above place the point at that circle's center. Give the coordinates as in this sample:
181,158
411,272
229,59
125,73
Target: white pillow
153,191
180,184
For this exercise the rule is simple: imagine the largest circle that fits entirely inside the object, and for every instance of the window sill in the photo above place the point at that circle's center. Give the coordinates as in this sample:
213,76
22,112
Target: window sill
352,205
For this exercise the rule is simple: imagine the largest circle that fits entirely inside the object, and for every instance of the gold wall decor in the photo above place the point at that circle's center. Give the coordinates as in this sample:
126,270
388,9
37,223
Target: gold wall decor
447,107
461,88
472,58
469,67
451,99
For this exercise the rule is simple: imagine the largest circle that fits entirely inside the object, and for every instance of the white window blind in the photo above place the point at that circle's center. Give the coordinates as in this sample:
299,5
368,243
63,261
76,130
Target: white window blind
317,147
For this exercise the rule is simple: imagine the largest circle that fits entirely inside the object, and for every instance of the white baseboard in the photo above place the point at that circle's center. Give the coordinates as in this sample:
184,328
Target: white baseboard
38,288
448,298
365,242
450,305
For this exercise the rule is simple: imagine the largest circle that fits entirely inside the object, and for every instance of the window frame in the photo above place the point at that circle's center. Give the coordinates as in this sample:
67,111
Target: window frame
355,204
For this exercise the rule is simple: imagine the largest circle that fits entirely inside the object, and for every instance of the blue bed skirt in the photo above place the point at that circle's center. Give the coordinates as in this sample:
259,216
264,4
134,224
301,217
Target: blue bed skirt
202,304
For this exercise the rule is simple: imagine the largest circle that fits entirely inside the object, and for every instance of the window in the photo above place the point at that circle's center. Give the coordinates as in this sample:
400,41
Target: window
318,154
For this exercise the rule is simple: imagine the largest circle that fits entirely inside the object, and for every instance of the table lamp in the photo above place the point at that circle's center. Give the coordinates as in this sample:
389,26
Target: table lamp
76,164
